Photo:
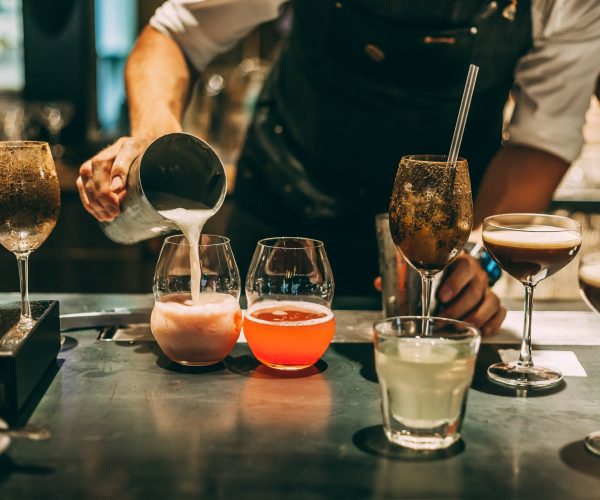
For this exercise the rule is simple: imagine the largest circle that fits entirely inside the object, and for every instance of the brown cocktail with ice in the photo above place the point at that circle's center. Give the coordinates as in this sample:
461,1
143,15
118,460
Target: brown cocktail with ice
431,213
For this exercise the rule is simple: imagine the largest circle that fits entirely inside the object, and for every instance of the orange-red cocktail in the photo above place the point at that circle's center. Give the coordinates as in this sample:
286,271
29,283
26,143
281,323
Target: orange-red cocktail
288,334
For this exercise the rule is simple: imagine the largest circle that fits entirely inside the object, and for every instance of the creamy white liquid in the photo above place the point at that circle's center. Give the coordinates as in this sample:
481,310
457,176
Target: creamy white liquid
424,383
197,334
191,223
590,274
533,237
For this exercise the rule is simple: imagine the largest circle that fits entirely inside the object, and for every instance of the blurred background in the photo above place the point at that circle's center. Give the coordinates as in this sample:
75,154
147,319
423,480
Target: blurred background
61,80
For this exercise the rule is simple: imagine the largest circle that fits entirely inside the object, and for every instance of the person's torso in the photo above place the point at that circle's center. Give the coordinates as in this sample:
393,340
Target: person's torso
361,83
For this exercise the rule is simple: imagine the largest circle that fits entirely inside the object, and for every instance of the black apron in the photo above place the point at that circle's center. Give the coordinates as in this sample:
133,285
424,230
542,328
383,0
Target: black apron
359,84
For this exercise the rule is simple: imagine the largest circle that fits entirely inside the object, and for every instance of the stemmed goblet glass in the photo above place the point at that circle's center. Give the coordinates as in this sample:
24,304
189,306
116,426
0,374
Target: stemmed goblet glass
289,323
530,248
29,207
55,115
431,214
589,283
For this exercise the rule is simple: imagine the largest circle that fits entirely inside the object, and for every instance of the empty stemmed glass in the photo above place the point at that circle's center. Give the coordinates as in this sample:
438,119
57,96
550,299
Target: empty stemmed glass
55,115
431,214
29,206
589,283
530,248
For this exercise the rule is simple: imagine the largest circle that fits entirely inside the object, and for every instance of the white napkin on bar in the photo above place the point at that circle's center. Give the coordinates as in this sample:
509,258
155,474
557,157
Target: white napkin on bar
565,361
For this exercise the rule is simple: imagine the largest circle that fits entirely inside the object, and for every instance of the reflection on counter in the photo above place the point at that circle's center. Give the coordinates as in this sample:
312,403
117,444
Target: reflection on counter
282,402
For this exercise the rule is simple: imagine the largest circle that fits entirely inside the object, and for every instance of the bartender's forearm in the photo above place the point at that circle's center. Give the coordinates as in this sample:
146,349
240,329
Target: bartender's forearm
158,80
519,179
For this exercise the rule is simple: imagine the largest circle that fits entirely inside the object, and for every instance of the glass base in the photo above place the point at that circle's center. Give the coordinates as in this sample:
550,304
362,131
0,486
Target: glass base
289,368
513,375
197,363
421,442
592,442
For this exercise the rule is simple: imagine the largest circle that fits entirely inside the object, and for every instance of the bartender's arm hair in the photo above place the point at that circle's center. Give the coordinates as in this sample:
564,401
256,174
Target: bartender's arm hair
158,80
519,179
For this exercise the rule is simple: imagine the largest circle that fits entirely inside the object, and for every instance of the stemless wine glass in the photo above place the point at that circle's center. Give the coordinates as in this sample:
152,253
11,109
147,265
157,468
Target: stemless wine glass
289,323
204,331
29,207
530,248
589,284
431,214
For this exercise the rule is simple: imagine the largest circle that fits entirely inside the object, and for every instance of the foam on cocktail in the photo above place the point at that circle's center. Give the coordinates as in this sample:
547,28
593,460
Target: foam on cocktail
522,237
191,223
280,307
209,303
590,274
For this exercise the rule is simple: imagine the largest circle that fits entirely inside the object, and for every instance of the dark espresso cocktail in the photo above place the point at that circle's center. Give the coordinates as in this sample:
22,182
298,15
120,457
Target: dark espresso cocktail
529,247
589,282
532,253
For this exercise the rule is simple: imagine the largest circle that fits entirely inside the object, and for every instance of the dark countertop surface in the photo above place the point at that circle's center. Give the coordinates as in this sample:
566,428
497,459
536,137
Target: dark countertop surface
127,423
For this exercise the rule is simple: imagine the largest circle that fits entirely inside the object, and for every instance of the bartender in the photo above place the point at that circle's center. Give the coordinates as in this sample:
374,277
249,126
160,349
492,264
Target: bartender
357,85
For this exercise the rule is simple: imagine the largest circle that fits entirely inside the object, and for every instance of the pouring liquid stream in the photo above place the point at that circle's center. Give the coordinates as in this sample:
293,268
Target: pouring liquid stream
191,222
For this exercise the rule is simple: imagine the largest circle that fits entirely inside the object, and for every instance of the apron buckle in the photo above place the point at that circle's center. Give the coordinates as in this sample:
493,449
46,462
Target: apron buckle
374,52
448,40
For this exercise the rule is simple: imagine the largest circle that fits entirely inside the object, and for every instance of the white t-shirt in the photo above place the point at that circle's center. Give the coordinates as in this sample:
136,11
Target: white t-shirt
553,81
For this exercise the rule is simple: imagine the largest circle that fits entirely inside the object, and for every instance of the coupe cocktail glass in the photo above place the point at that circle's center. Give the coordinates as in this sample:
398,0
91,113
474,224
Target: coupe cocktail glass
530,248
589,283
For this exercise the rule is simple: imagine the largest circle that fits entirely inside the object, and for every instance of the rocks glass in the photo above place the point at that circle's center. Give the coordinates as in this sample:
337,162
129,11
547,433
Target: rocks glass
425,367
589,283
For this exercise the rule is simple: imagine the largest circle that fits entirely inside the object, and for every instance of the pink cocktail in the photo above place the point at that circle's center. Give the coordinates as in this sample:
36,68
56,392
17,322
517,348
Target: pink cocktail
196,334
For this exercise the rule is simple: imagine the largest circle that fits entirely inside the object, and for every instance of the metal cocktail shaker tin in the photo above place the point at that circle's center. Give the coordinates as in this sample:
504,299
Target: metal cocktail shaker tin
177,170
400,283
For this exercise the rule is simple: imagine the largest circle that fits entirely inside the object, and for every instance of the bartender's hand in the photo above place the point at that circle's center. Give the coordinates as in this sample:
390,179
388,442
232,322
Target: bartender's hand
102,178
465,294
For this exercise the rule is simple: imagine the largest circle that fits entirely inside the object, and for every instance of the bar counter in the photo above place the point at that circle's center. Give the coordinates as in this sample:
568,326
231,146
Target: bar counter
127,423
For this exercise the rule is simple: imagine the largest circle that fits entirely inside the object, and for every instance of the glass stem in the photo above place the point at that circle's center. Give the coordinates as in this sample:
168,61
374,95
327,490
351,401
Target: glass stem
53,136
525,360
23,262
426,283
